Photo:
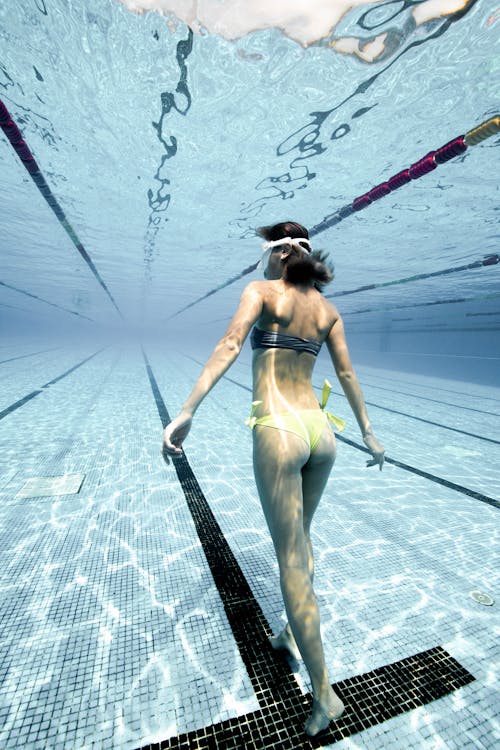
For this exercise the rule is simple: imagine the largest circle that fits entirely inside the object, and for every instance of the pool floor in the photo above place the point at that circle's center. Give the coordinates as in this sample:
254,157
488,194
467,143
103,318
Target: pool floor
137,596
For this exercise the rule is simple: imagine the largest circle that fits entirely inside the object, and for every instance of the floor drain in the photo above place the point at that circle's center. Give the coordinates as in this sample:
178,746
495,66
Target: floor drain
69,484
481,598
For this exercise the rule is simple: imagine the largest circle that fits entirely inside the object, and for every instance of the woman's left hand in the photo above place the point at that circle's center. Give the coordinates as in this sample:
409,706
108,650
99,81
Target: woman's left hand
175,433
376,449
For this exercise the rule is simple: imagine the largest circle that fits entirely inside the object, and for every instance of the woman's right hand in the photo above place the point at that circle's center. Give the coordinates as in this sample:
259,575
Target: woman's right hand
376,449
175,433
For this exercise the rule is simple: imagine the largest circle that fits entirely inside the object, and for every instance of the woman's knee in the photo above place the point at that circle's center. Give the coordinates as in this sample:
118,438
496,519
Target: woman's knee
292,551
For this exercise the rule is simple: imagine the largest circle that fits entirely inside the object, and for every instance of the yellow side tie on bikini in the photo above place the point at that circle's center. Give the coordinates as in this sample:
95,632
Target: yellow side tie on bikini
252,418
325,395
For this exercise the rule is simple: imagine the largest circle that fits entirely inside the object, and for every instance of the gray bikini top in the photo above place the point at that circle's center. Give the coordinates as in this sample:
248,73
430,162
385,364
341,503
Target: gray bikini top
273,340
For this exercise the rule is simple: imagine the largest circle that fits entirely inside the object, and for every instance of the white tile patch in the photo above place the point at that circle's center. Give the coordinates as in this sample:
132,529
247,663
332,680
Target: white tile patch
69,484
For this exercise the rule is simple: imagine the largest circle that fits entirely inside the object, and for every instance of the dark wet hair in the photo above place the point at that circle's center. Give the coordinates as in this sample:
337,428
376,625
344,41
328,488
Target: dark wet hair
300,268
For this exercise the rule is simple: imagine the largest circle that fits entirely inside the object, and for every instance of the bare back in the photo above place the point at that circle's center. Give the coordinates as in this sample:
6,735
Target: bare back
282,377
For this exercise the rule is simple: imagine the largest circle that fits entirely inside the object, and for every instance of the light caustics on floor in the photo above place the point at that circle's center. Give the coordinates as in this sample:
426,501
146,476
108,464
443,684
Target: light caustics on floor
136,611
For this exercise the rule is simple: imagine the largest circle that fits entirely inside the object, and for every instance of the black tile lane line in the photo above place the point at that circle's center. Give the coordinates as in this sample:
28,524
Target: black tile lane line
432,477
31,395
373,697
406,467
432,400
435,388
278,723
32,354
429,421
270,679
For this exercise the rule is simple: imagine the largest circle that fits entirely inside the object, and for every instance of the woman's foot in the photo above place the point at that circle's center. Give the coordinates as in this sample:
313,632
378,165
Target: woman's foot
286,642
322,715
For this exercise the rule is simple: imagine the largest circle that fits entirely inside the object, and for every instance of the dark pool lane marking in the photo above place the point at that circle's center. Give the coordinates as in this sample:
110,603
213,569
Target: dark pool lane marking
455,392
428,421
270,679
32,354
406,467
425,474
32,395
432,400
370,698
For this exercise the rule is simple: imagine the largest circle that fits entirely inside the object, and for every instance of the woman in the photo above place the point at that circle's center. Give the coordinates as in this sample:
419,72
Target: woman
293,444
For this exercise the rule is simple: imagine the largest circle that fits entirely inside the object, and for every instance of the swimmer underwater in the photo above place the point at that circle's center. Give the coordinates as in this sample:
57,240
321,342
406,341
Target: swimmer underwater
293,444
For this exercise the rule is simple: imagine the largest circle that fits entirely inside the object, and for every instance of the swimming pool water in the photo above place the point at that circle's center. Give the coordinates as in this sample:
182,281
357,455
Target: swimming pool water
136,596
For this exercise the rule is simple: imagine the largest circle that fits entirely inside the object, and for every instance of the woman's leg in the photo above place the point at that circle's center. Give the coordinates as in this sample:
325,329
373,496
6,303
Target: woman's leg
315,475
314,478
279,458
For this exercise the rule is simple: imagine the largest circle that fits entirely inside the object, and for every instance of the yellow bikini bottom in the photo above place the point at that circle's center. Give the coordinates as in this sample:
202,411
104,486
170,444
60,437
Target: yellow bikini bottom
308,424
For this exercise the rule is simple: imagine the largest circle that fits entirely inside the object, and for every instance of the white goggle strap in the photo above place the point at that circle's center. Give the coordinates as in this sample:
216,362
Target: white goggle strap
267,247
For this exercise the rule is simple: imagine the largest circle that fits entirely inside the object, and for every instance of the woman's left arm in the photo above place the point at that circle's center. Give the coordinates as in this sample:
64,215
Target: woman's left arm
221,359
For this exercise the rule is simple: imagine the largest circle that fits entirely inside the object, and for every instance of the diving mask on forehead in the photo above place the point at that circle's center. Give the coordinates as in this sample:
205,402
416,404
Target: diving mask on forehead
267,248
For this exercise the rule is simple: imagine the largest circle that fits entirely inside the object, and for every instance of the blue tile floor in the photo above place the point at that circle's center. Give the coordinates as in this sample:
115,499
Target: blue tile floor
114,634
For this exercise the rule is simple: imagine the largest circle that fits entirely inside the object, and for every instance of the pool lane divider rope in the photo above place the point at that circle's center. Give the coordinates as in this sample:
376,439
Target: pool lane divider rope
423,166
370,698
406,467
412,305
29,162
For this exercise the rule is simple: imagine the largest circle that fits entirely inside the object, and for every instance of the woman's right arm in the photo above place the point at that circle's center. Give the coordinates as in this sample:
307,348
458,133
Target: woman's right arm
337,346
220,360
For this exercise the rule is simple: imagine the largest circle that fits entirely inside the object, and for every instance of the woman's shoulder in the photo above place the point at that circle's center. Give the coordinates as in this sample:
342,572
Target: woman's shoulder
263,287
255,287
326,304
330,314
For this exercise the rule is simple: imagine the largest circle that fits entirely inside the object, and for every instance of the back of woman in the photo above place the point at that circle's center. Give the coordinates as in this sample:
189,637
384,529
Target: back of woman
296,311
293,443
293,310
